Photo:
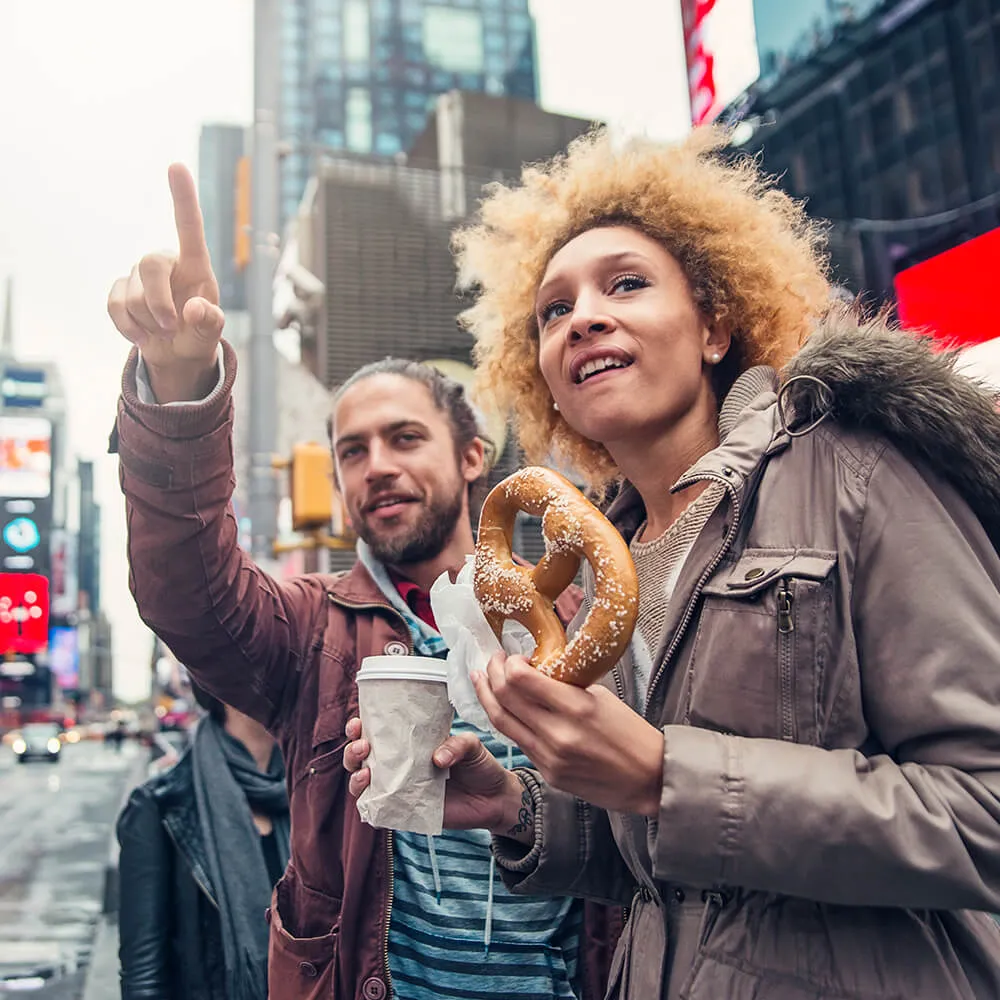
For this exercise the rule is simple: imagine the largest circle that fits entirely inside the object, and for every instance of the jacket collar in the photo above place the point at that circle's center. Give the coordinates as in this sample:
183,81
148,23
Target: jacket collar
749,428
357,588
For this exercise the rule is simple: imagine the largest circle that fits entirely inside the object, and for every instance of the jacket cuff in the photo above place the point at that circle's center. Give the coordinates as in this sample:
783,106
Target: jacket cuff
703,791
186,421
511,854
555,861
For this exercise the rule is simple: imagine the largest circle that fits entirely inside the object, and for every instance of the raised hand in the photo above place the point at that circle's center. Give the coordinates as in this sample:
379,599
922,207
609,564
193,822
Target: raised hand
169,305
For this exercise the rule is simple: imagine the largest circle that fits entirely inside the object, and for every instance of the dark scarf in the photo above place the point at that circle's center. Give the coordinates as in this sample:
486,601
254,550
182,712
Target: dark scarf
227,787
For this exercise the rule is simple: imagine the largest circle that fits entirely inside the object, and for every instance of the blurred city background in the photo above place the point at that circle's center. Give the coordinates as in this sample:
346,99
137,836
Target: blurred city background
337,143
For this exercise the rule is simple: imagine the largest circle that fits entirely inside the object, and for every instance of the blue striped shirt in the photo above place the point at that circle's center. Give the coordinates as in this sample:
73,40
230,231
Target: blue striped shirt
436,946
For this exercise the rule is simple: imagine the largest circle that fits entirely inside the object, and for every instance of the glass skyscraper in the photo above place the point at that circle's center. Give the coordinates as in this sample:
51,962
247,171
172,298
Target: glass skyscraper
360,75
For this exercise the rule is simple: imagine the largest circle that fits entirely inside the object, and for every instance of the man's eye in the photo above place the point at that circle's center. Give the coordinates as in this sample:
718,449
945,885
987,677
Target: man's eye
409,438
349,453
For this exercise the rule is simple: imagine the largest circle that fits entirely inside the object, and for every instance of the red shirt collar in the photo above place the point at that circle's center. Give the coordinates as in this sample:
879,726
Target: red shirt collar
417,600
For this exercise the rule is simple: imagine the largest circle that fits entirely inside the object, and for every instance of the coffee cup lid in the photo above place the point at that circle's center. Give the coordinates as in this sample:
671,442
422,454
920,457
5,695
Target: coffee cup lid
408,668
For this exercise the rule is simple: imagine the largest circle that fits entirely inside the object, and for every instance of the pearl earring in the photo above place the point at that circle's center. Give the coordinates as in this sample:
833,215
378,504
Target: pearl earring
555,406
716,358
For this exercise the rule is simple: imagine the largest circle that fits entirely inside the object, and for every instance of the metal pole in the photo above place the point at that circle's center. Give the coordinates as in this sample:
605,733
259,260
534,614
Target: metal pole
264,220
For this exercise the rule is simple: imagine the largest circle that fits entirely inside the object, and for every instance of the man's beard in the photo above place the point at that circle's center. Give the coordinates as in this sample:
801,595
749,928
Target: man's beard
424,541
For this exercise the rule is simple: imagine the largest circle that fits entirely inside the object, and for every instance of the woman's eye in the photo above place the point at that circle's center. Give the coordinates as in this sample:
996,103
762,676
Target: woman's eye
629,283
553,311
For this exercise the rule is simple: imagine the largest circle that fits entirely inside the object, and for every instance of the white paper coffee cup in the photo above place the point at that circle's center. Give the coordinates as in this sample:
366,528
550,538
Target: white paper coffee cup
406,715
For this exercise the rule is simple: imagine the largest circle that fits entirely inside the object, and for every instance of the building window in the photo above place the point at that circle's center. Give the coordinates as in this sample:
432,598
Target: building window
386,144
359,120
357,34
904,111
495,43
331,137
453,39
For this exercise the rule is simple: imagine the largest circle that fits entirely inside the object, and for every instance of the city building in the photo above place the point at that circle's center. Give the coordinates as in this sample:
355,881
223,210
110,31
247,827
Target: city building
361,75
220,160
378,232
885,117
55,643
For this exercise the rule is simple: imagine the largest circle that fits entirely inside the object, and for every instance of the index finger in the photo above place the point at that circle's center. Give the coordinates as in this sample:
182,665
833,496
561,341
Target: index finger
525,682
187,213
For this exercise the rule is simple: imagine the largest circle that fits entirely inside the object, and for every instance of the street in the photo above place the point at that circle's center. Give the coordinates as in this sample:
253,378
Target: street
56,824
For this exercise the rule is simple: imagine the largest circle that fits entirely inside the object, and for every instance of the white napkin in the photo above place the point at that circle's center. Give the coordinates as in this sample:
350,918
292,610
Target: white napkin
471,643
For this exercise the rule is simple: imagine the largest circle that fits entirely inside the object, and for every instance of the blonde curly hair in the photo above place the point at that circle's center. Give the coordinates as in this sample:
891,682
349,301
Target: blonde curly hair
752,257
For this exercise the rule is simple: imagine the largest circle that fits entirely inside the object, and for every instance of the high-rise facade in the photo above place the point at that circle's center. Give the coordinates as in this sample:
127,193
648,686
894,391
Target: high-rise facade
377,235
220,149
361,75
886,118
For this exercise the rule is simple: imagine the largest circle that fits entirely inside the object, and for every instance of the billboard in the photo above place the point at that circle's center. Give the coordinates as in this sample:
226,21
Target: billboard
25,526
64,657
721,49
951,295
24,613
23,387
25,457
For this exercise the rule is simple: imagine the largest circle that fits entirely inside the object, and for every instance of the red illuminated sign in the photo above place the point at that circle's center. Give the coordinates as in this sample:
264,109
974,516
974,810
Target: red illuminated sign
721,50
24,612
953,295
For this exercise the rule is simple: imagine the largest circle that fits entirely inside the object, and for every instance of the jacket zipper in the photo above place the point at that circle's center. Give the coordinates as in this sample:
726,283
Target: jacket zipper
786,626
699,586
620,689
391,867
388,910
197,881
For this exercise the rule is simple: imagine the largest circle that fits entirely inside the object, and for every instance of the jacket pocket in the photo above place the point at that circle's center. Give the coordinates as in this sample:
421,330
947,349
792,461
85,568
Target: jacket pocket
304,940
761,645
713,978
318,804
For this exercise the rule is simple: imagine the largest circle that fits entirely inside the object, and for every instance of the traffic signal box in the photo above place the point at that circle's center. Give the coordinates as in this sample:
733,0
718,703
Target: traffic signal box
311,486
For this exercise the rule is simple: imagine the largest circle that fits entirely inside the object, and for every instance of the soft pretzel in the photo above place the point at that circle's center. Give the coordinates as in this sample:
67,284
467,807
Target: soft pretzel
573,528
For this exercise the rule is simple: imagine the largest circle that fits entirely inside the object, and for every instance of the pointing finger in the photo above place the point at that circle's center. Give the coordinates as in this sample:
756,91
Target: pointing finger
187,214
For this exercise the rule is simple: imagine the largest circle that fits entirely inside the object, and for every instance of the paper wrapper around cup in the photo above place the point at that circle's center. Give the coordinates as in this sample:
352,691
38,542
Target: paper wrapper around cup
471,643
406,716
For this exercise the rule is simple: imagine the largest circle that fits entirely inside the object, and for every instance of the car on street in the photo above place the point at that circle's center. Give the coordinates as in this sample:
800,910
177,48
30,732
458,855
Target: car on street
37,741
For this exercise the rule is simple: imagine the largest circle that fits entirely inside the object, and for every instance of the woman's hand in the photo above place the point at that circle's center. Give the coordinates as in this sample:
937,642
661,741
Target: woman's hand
480,794
582,740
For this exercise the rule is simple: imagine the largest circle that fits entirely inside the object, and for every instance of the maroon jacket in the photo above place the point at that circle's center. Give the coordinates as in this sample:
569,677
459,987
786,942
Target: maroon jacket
285,653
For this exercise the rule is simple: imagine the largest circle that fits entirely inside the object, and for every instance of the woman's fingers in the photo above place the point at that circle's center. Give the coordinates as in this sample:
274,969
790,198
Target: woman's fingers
503,719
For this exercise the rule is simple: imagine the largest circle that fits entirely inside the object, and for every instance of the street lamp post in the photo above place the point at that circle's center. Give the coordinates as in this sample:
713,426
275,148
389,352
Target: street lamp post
264,220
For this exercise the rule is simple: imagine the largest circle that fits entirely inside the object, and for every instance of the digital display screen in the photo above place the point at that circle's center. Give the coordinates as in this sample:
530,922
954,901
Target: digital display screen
25,457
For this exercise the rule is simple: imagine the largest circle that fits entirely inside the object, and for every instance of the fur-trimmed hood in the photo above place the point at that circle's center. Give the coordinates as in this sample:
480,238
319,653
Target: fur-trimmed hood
871,376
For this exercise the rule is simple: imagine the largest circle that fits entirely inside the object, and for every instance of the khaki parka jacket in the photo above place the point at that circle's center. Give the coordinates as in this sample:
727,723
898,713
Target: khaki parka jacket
828,686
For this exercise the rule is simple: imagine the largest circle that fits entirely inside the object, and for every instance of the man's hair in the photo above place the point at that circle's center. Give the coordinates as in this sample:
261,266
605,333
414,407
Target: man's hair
215,708
449,397
754,260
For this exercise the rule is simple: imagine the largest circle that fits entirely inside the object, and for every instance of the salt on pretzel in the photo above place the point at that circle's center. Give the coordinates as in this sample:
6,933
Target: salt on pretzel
573,529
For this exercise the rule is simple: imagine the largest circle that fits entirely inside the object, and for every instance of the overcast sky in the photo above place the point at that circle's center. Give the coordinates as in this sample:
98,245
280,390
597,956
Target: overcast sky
98,97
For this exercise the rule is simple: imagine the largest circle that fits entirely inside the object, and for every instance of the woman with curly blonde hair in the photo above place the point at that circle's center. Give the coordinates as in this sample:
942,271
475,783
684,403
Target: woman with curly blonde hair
792,779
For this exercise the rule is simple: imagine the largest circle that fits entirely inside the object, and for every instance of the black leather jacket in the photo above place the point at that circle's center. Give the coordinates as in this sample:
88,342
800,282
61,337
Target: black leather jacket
171,940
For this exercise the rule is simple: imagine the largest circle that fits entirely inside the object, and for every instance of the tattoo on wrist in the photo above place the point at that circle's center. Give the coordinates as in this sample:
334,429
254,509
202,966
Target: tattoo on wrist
525,815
